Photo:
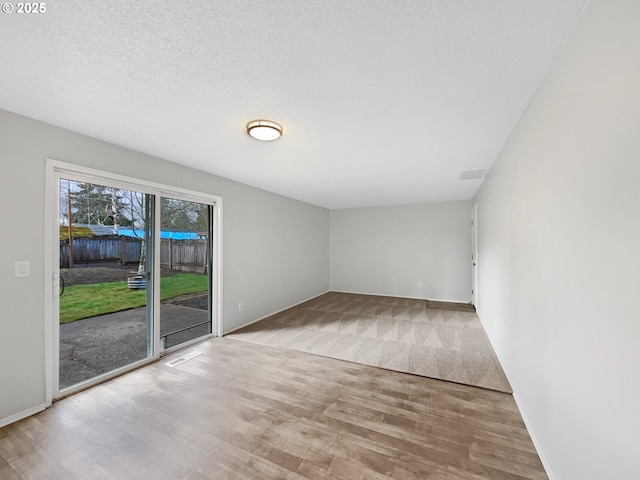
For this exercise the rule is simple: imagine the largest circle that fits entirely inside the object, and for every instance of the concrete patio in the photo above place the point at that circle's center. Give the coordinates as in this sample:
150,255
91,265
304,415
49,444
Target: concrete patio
97,345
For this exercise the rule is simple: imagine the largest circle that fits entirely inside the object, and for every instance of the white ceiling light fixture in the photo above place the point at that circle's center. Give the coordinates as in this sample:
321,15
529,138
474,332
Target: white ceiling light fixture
264,130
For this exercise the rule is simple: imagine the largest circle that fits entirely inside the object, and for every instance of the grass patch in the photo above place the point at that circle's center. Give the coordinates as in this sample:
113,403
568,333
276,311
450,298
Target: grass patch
85,301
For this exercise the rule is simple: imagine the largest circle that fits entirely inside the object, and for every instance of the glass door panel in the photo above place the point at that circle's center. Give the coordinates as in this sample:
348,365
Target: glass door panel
185,267
105,306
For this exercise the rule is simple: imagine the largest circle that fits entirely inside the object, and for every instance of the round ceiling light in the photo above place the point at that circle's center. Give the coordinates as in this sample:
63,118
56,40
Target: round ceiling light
264,130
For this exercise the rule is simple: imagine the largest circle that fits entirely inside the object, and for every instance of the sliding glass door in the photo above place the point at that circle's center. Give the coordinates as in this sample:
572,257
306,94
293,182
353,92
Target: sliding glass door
185,262
106,296
134,273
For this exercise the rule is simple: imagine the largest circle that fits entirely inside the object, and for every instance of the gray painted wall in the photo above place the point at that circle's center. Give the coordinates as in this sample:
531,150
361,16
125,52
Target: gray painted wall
276,250
388,250
559,251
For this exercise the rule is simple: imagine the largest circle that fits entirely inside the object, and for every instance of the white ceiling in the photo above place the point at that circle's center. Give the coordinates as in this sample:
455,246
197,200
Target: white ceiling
384,102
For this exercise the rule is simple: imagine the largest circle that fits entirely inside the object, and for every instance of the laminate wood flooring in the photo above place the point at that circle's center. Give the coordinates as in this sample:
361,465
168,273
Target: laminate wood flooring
246,411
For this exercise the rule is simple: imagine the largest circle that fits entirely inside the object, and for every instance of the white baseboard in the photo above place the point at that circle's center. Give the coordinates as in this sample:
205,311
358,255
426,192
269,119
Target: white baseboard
523,413
448,300
268,315
23,414
536,443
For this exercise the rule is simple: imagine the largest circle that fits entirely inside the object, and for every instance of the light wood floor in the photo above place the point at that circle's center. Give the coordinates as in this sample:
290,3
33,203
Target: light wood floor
245,411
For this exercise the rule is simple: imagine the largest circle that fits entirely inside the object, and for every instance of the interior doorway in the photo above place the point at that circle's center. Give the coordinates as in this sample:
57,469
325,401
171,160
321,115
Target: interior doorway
474,255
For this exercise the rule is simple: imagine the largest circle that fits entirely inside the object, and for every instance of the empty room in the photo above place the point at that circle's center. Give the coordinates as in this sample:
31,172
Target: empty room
388,239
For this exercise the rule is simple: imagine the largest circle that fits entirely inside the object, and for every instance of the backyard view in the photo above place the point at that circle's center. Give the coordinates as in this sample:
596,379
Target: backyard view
107,245
93,299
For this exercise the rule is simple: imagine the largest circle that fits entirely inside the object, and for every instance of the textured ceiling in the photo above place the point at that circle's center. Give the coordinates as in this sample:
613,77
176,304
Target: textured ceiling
383,101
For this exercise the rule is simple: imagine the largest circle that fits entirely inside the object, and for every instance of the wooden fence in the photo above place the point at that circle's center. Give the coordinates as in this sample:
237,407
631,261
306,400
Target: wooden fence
101,250
183,255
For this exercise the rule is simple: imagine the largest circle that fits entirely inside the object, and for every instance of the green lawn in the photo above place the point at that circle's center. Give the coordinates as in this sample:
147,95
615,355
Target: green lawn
84,301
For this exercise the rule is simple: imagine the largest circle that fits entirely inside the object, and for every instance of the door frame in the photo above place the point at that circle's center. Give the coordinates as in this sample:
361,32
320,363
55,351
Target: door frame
56,169
474,255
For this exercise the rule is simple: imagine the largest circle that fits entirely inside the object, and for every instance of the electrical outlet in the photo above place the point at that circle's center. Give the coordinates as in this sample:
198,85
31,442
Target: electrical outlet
240,306
419,284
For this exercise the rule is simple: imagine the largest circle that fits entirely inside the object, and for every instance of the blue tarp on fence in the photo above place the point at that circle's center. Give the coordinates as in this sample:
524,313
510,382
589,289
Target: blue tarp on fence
101,230
127,232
